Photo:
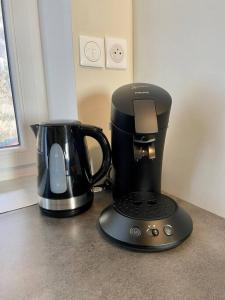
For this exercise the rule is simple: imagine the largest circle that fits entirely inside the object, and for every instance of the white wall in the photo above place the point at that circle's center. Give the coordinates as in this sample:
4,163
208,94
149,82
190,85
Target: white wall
180,45
94,86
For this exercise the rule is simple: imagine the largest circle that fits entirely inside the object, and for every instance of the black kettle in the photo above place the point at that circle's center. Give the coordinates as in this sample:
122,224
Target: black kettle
64,174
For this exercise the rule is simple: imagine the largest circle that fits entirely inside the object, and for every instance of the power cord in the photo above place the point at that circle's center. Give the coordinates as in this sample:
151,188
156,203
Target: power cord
106,185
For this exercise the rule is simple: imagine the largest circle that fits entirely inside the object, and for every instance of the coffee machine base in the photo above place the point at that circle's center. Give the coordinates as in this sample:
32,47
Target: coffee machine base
148,235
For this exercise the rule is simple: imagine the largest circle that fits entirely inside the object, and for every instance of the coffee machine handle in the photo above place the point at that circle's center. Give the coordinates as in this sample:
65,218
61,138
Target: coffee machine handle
97,134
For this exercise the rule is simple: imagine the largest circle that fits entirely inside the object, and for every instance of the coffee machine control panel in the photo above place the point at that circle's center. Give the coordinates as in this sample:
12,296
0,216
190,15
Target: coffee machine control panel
151,231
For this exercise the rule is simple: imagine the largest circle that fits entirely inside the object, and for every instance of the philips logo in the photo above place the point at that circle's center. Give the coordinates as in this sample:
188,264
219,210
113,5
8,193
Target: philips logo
141,92
134,87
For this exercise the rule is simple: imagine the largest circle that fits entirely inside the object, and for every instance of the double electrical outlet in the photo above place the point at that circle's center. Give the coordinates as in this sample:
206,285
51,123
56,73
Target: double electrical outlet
99,52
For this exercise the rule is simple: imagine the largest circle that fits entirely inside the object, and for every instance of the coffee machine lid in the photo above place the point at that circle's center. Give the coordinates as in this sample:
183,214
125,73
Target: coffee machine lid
140,108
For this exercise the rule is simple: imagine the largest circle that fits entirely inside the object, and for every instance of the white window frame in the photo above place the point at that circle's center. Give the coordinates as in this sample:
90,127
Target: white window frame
30,24
58,53
28,84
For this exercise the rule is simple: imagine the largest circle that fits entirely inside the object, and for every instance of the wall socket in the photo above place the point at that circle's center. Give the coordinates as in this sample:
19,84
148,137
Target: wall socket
92,51
116,53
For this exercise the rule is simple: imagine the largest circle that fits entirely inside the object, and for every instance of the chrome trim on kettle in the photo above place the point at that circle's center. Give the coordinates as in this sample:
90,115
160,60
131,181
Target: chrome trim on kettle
64,204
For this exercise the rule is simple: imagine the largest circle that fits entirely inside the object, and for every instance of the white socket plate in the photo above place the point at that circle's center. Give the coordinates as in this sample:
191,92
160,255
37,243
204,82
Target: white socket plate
114,48
92,51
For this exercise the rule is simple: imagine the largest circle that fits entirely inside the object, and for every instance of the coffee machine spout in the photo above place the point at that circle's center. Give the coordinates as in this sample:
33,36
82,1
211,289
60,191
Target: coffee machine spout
35,128
144,149
151,151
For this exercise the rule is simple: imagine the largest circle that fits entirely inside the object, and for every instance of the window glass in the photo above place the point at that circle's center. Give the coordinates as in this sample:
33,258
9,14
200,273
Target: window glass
9,136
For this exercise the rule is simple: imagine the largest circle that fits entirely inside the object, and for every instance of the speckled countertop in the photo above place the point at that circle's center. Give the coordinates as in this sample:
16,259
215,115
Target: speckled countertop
46,258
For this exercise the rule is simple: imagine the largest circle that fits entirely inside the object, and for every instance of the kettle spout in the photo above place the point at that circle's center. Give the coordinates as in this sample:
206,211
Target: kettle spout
35,128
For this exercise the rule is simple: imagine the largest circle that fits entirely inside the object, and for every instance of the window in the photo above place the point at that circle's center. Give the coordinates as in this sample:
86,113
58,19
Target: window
25,23
22,63
9,136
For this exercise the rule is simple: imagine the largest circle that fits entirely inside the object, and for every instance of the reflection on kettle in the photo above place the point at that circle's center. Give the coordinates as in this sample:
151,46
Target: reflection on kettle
64,174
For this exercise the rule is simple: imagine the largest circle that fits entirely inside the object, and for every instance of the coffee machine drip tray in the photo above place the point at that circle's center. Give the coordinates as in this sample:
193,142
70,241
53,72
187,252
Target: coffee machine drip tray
146,222
145,206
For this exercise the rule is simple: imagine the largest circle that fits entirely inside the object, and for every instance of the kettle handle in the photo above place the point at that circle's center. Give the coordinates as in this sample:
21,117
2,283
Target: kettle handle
97,134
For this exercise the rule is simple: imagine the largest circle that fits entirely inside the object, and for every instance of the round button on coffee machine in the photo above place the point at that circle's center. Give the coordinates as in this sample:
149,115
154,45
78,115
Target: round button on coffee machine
135,231
168,230
155,231
152,231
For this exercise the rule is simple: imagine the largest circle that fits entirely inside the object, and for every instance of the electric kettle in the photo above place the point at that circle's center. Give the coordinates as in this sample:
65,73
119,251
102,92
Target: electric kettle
64,174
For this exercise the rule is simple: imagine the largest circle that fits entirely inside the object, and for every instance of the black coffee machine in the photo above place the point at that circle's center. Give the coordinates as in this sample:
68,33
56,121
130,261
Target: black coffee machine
141,217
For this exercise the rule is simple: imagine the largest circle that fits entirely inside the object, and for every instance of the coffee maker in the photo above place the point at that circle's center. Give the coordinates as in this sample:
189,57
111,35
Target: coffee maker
141,217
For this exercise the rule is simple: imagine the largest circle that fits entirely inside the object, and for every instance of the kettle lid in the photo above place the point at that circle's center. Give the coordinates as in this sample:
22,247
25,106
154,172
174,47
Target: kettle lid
60,123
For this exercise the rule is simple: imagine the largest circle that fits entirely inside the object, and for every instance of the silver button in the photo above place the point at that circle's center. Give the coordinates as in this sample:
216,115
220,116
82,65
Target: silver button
168,230
152,231
135,231
155,231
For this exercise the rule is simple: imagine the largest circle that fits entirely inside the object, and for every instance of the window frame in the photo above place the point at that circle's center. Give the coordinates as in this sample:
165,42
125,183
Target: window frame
31,23
19,133
27,82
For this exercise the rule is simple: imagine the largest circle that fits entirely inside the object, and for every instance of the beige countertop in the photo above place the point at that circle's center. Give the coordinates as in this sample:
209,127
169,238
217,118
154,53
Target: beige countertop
47,258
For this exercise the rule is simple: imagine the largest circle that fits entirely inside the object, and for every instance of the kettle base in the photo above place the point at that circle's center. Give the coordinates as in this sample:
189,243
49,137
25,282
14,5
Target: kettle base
63,208
146,235
65,213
